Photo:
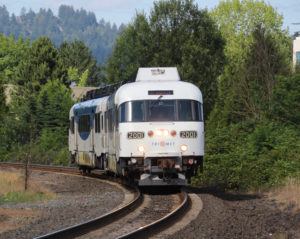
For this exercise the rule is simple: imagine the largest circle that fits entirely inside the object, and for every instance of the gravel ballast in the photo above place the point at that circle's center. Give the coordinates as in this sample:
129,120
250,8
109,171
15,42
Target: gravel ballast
77,199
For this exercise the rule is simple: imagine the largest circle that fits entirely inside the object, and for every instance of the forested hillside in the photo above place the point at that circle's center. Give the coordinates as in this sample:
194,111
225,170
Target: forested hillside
69,25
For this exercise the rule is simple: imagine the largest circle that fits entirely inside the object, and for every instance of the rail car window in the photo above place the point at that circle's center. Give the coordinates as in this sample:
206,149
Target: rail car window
185,112
189,110
84,124
197,111
138,111
110,120
72,125
132,112
97,123
160,110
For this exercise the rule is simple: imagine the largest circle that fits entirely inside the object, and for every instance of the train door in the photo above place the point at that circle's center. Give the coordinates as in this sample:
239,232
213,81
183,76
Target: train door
76,134
85,140
117,136
102,132
72,142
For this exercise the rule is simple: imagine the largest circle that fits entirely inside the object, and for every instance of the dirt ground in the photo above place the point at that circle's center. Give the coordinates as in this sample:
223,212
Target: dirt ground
241,216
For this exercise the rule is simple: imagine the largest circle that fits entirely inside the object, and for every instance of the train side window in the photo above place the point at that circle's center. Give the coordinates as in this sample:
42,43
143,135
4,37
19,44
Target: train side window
138,111
72,125
185,110
106,120
97,123
84,124
197,111
122,113
110,120
102,121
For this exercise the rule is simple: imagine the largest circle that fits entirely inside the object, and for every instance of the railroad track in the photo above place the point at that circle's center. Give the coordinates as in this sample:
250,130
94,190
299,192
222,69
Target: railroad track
97,226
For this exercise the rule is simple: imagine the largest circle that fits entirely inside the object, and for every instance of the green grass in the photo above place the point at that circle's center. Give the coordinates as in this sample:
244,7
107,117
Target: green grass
19,197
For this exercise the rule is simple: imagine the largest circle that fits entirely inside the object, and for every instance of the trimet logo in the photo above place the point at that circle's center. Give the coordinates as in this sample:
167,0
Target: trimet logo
163,144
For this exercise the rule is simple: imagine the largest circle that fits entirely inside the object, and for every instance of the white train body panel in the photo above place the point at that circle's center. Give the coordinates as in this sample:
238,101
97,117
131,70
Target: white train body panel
152,127
160,145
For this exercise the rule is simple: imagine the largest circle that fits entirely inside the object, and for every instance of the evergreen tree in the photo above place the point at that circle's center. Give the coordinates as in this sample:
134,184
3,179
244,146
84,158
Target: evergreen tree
53,105
70,25
11,53
3,107
77,55
41,64
4,21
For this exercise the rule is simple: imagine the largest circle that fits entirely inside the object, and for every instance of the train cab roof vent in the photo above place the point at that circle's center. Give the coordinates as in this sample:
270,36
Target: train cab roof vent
158,74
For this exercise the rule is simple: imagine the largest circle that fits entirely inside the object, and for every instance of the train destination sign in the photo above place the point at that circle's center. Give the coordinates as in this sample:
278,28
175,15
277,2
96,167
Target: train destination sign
160,92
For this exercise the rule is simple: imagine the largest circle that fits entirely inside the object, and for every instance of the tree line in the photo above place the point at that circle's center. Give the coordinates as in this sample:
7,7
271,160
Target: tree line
68,26
238,54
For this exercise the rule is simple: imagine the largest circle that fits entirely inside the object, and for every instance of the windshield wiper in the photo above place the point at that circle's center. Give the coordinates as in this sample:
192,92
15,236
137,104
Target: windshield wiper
156,101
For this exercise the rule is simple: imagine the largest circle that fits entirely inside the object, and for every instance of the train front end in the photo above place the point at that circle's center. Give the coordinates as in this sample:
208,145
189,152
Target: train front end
161,129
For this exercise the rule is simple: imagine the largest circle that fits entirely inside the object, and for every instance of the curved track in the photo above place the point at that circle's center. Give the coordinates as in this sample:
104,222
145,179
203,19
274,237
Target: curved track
162,222
110,218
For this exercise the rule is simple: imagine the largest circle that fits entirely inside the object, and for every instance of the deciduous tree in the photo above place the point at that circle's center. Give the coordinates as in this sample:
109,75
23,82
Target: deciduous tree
177,34
257,50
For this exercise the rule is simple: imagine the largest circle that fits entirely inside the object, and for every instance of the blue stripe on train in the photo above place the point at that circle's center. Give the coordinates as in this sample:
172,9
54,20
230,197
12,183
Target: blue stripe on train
86,108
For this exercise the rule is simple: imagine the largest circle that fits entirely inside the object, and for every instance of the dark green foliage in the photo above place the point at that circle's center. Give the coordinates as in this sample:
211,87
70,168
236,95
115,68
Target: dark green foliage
38,118
256,153
252,135
3,107
53,105
12,51
250,156
177,34
286,100
69,25
78,56
40,64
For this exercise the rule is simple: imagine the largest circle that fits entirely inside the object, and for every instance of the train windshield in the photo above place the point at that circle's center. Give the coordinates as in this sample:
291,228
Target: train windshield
160,110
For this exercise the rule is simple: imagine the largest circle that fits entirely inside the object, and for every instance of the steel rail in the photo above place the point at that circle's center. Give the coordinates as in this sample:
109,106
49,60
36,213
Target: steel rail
96,223
45,167
85,227
143,232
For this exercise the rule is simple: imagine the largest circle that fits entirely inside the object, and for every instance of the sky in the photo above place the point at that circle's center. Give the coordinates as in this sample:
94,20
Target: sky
123,11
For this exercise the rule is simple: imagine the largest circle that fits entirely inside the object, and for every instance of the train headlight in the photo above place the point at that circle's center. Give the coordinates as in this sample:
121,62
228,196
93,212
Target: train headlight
162,132
141,149
183,148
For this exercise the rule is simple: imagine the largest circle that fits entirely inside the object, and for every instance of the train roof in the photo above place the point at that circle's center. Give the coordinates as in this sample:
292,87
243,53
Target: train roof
154,79
145,90
87,105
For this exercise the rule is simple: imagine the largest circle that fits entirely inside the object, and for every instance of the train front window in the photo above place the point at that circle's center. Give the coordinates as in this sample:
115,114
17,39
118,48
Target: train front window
161,110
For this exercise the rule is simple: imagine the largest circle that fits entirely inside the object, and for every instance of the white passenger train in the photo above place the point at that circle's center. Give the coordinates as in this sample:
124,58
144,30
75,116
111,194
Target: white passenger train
151,130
